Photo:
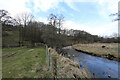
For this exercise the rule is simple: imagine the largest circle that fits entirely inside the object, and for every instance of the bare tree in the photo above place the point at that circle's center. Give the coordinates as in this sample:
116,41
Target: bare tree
5,18
56,20
23,20
114,35
60,20
3,13
52,19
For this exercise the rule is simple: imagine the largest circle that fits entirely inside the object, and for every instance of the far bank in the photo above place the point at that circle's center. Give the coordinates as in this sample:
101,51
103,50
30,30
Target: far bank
106,50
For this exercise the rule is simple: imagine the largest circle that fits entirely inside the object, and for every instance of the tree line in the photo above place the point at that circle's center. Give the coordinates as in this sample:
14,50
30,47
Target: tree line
52,34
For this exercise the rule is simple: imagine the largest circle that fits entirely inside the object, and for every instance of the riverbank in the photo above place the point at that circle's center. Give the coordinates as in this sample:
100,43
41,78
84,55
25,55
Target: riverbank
99,67
70,67
106,50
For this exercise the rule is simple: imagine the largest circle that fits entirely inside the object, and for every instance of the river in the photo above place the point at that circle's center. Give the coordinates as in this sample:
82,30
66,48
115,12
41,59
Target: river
99,67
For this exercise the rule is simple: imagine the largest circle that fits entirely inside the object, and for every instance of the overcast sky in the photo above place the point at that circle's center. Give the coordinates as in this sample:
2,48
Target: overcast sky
88,15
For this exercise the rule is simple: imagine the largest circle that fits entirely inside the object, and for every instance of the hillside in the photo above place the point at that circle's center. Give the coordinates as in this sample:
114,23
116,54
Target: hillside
10,38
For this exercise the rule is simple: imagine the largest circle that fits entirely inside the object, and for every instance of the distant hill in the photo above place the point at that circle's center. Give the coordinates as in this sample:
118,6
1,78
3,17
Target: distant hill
10,36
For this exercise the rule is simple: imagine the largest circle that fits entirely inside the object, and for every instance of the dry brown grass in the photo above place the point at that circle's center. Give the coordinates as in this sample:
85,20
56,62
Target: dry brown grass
71,68
96,48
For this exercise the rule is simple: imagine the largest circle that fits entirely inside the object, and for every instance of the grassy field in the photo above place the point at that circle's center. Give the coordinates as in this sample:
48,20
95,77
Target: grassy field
110,49
25,63
10,50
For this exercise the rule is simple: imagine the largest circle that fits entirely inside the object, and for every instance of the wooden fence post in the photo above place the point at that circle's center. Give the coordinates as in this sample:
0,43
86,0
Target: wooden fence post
48,55
54,67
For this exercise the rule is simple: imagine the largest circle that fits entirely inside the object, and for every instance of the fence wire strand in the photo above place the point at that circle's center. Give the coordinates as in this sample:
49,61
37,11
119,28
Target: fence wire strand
49,59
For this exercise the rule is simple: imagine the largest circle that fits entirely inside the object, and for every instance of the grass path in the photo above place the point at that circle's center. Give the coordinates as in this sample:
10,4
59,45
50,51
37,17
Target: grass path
27,64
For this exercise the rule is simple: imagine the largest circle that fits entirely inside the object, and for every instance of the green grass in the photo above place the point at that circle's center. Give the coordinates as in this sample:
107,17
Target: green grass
9,50
24,64
96,48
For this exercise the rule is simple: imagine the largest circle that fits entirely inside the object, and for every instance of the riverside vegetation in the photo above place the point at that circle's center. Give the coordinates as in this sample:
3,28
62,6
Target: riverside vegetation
70,67
107,50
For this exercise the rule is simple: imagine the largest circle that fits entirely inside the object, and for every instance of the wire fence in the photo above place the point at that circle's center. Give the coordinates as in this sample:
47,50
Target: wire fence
54,68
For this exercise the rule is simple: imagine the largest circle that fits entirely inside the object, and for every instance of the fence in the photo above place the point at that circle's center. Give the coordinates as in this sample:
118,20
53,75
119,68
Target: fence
54,68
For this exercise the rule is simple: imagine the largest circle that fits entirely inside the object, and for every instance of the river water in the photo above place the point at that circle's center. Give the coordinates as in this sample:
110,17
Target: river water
99,67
